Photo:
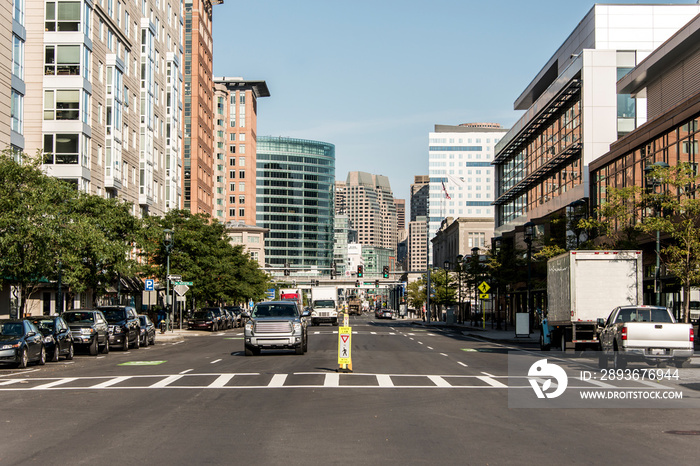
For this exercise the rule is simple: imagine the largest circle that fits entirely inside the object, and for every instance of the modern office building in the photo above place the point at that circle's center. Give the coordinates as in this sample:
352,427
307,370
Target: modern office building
418,244
370,206
103,92
295,188
340,201
668,80
420,197
235,139
198,127
250,237
400,214
461,175
573,113
344,235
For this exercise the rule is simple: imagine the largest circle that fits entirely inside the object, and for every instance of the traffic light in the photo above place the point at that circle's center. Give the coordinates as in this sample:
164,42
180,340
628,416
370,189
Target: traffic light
360,271
286,272
376,283
294,283
357,283
385,271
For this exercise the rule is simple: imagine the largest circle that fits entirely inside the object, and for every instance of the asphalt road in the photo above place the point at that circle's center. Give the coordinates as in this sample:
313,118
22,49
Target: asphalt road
416,396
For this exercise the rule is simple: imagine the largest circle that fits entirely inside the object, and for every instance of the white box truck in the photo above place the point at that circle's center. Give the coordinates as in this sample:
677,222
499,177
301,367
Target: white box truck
324,304
584,286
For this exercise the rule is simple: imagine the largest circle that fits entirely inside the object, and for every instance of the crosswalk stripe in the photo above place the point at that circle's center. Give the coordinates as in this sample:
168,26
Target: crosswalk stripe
221,381
166,381
277,380
491,381
110,382
54,383
384,380
331,380
439,381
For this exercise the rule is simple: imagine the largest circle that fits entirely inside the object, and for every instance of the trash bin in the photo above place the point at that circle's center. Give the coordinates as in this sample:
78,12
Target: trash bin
450,318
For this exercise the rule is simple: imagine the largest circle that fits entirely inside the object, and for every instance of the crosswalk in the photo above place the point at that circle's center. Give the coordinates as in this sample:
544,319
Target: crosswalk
256,381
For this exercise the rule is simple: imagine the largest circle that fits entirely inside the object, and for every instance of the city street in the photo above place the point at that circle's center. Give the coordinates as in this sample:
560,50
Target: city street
418,395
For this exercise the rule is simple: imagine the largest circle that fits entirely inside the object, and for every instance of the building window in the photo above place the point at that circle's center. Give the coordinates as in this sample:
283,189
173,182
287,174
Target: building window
241,212
17,56
241,186
62,60
62,16
61,104
241,161
17,111
241,199
232,149
241,174
61,149
232,162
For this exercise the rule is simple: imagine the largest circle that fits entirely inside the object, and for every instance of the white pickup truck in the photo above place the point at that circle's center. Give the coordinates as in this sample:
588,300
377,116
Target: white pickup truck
644,333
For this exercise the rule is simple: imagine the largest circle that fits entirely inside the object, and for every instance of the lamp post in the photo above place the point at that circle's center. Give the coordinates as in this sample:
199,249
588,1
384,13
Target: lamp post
475,264
459,266
529,234
168,243
652,182
446,265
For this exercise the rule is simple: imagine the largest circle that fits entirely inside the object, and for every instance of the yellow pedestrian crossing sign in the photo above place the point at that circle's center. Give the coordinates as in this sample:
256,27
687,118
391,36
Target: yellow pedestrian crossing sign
484,288
484,296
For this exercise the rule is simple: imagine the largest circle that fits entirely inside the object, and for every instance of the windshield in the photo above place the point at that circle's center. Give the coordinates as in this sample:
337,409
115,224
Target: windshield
643,315
114,315
79,317
45,326
324,303
14,329
274,310
202,315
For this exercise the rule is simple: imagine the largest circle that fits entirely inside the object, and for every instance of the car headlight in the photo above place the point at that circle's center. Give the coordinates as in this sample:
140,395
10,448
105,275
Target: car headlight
116,330
87,331
13,345
313,314
48,339
297,327
249,327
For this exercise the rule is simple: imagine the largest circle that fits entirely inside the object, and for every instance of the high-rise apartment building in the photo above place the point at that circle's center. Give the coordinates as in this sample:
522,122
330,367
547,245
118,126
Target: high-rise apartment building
418,244
295,186
103,91
235,139
400,214
573,113
198,126
371,209
13,36
340,204
461,175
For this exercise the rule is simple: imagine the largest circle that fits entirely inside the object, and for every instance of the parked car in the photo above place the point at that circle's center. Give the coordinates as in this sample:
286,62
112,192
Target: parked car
58,339
148,330
220,322
237,312
124,326
276,324
228,318
89,329
21,342
383,314
202,319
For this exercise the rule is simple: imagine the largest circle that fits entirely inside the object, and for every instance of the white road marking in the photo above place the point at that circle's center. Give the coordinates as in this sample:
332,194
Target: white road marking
54,383
439,381
332,380
277,380
420,342
597,383
372,333
215,361
8,382
110,382
221,381
491,381
185,372
429,347
462,364
166,381
384,380
443,354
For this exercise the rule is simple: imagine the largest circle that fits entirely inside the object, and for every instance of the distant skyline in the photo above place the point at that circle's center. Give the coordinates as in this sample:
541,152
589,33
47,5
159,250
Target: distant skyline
375,77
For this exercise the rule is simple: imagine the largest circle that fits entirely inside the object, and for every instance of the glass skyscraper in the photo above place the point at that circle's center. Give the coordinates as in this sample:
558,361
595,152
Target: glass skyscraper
295,201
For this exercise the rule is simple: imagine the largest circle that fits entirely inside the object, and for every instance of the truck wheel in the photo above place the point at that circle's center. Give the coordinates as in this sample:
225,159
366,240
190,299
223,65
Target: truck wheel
299,349
678,363
562,343
543,347
249,351
619,360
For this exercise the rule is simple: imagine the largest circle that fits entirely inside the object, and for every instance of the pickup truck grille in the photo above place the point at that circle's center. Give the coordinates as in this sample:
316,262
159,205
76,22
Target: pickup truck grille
273,327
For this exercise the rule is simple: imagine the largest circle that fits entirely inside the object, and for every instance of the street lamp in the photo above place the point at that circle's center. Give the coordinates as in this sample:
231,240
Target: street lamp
529,234
168,244
446,265
459,267
475,263
652,182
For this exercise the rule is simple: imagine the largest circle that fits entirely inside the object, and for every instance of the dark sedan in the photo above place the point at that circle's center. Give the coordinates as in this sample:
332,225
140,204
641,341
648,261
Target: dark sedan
89,329
58,339
21,342
124,327
148,331
202,320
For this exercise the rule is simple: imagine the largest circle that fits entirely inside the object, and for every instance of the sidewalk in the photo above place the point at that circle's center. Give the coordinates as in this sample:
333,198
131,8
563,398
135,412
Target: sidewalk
178,335
488,334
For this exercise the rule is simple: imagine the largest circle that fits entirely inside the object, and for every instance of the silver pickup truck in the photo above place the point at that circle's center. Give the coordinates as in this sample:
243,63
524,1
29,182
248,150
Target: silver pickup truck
644,333
275,325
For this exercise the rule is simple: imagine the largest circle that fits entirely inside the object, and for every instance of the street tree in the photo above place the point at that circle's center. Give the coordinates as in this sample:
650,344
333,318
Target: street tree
416,293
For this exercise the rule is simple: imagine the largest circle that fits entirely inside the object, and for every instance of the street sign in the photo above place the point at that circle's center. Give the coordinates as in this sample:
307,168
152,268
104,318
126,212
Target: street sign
149,284
181,289
174,277
183,283
484,287
344,340
484,296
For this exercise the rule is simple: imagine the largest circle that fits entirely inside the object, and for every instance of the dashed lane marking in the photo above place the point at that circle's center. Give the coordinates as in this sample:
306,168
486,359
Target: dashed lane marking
215,361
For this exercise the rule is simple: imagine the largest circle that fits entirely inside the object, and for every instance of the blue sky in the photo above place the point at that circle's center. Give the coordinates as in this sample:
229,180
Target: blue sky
374,77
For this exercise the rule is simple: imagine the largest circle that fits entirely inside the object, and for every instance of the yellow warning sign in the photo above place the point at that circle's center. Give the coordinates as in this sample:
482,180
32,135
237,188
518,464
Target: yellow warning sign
484,287
344,340
484,296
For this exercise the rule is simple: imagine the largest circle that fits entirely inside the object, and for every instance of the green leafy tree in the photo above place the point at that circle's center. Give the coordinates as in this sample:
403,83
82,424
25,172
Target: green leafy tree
616,219
416,293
